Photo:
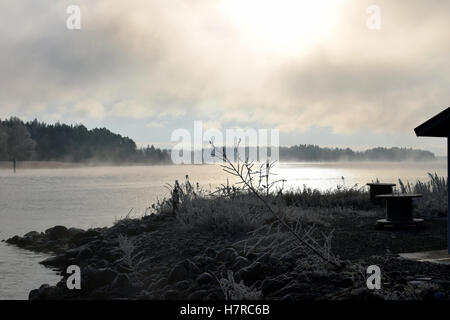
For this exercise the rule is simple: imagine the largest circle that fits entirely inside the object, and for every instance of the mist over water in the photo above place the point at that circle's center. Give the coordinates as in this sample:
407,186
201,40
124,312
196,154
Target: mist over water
36,199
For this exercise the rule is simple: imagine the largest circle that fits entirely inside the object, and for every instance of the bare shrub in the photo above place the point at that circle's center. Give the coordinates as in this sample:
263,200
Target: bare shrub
256,182
130,260
233,290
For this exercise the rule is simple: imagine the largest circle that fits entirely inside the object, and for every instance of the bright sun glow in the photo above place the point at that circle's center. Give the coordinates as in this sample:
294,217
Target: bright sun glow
282,25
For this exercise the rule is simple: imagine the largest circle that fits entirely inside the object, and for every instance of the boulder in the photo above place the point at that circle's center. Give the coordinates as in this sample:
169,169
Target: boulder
171,295
255,271
205,278
121,281
82,238
58,261
103,276
227,255
84,254
198,295
74,231
32,234
46,292
14,240
183,285
240,262
57,233
271,285
182,271
210,252
439,296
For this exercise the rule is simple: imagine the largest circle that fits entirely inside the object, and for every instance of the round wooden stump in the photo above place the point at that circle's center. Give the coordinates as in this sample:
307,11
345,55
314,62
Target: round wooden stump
382,223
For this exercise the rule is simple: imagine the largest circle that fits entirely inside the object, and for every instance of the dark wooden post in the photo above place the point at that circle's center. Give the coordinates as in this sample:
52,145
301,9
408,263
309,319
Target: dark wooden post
439,126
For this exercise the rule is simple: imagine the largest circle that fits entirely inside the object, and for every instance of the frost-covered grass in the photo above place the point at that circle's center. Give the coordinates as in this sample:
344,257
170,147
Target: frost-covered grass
234,209
281,223
434,201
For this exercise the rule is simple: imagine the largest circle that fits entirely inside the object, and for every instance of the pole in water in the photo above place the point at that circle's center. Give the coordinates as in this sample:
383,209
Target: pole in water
14,165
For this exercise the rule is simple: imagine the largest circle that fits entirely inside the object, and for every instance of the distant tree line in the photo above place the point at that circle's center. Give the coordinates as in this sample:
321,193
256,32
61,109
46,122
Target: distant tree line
39,141
75,143
306,152
314,153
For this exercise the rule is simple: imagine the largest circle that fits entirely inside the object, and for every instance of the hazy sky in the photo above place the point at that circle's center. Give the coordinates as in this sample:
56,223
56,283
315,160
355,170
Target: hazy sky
312,69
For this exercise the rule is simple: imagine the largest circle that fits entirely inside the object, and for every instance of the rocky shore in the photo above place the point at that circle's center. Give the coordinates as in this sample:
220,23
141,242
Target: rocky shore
156,257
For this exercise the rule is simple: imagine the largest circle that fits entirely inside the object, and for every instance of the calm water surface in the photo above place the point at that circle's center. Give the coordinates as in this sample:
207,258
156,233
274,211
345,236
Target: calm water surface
36,199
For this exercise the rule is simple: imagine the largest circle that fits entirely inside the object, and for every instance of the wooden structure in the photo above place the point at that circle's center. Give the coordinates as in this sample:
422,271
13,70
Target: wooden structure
439,126
399,210
378,189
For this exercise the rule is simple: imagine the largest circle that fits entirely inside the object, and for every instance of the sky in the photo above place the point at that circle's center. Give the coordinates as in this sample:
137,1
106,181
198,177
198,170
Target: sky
322,72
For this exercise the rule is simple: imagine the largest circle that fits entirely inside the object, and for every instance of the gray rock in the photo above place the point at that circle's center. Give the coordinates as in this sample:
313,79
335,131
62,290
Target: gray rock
171,295
199,259
215,294
439,295
32,234
198,295
183,285
418,283
182,271
240,262
57,233
255,271
45,292
101,293
121,281
74,231
104,276
227,255
59,261
343,282
84,237
34,294
210,252
84,254
93,278
205,278
271,285
158,284
178,273
144,295
364,294
14,240
292,290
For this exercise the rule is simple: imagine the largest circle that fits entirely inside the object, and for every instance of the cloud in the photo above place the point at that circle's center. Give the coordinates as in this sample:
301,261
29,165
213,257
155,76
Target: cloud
141,59
90,108
156,124
131,109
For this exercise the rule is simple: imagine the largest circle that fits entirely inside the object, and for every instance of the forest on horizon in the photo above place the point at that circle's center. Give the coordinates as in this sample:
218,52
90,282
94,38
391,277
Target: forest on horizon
38,141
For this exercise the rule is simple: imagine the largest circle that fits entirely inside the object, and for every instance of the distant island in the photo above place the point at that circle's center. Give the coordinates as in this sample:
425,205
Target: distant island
306,152
38,141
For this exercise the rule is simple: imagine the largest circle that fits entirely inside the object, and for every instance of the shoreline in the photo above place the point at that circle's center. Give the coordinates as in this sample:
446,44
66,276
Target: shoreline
26,165
178,254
